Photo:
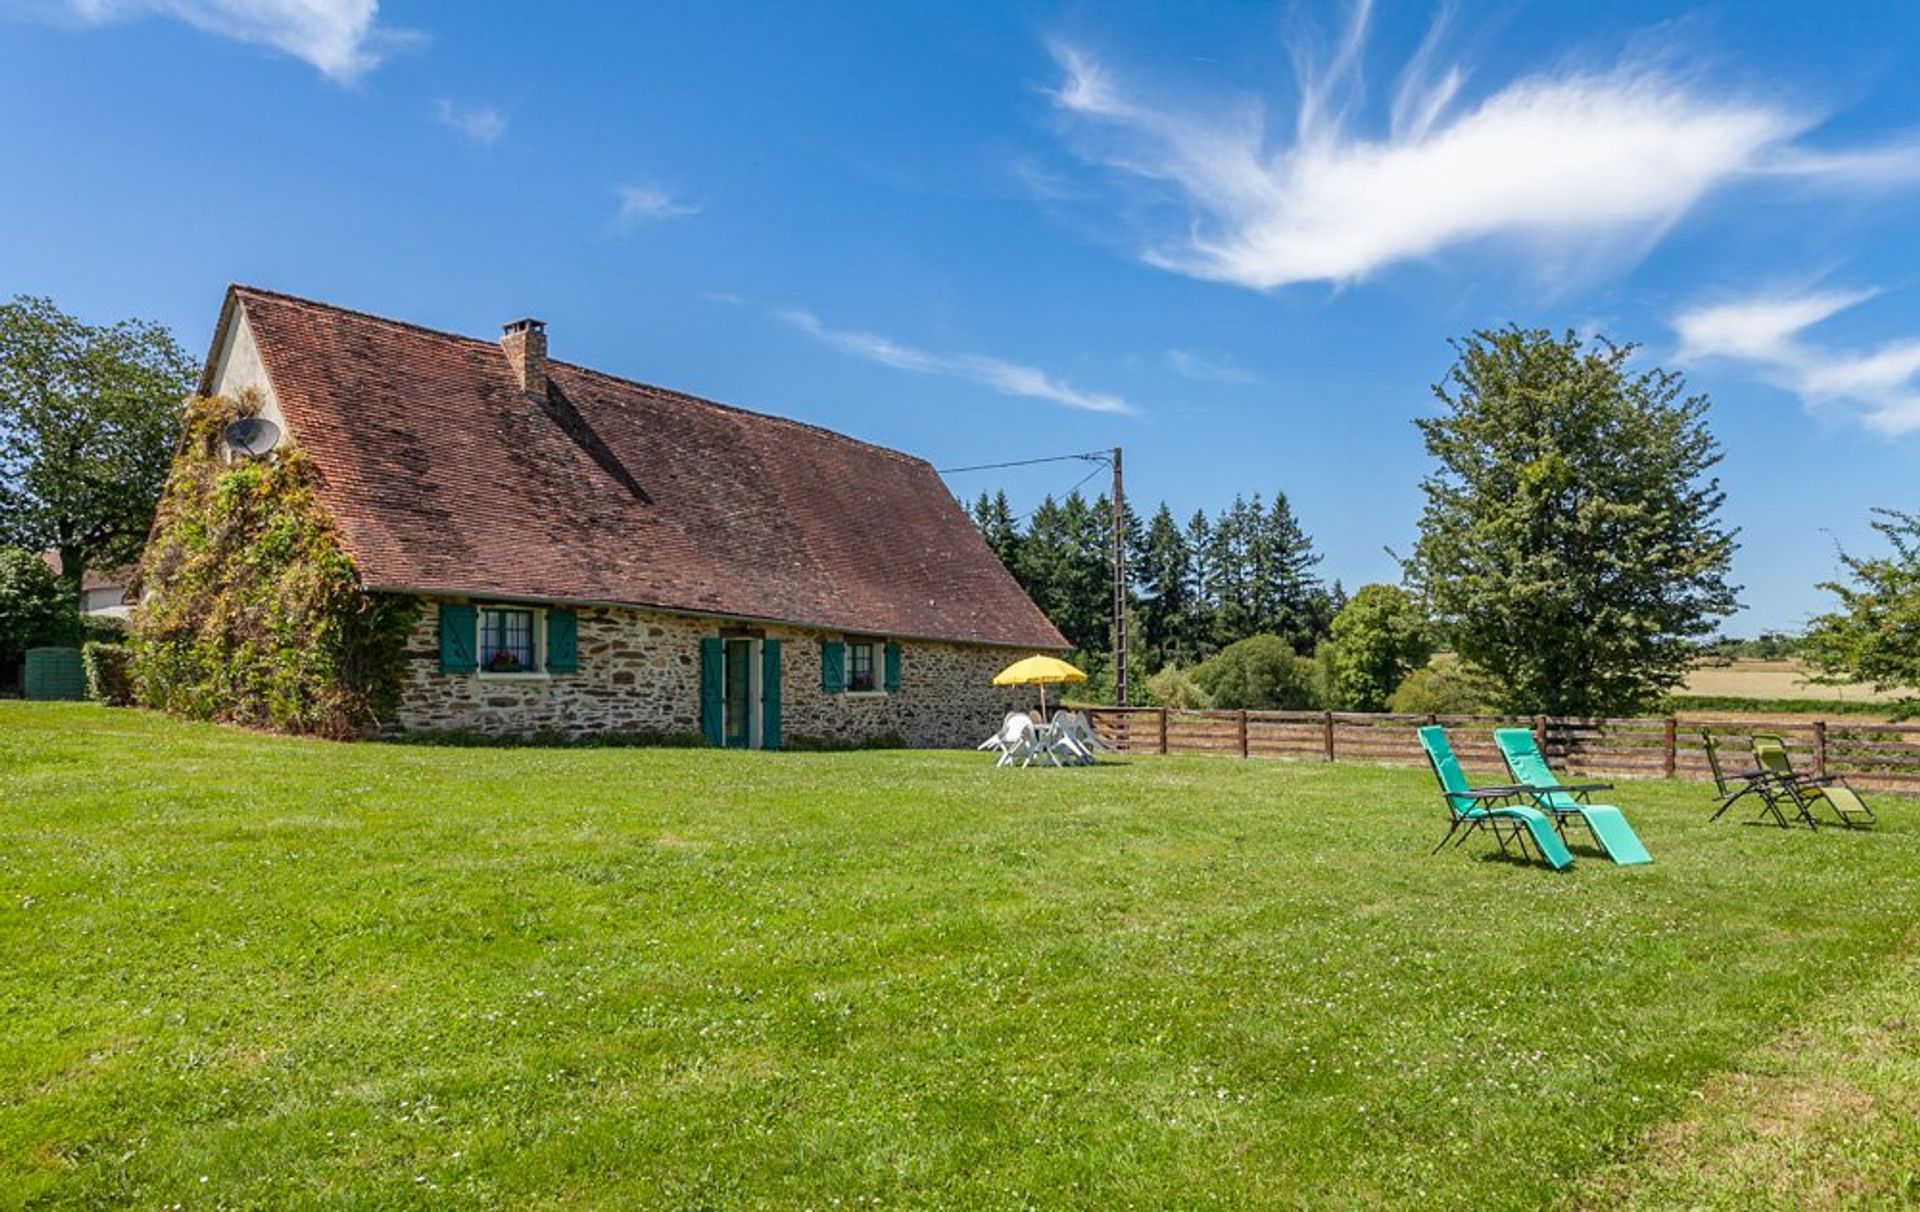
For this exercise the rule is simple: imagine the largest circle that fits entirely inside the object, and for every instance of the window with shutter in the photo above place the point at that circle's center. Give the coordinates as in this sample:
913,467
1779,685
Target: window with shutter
892,671
860,672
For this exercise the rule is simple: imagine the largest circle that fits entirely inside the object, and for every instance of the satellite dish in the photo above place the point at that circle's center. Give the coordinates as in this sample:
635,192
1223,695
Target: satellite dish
251,436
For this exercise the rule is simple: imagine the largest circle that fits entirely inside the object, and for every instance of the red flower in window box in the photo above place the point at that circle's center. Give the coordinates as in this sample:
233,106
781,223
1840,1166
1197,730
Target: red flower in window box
503,662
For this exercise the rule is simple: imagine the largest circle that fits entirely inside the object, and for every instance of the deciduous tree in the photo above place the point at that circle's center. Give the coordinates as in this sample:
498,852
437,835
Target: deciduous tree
1571,545
1874,636
1378,639
88,419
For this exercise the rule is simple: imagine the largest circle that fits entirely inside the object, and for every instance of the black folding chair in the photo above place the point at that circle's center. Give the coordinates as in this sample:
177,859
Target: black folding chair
1764,785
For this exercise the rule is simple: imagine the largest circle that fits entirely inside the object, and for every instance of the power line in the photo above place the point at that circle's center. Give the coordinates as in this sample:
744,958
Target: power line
1095,456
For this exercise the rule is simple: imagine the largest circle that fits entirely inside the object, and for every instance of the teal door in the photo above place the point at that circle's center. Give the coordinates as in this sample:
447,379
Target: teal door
739,730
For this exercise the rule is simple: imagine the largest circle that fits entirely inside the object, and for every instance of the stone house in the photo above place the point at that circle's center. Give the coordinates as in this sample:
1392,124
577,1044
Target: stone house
595,555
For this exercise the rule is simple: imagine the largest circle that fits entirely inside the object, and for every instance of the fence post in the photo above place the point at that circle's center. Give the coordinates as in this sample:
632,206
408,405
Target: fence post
1820,749
1327,718
1243,732
1540,734
1163,730
1673,741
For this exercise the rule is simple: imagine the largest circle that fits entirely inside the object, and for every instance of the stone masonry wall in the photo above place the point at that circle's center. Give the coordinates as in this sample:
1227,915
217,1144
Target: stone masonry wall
639,671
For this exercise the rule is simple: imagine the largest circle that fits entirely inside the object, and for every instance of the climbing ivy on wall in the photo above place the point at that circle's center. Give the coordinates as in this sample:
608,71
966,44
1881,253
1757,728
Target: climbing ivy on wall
251,612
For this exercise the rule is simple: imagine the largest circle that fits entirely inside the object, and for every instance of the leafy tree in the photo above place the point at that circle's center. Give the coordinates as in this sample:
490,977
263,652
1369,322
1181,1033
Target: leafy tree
1378,639
1875,635
1442,688
88,418
1261,672
1570,544
34,608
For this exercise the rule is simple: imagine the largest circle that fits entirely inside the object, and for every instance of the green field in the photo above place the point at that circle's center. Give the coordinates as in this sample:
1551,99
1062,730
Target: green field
240,971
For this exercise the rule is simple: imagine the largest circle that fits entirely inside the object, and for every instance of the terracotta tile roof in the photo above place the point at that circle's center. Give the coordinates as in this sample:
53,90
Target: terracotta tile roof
444,477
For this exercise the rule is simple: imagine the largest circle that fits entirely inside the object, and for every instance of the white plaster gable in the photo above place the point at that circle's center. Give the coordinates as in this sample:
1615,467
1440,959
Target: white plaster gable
238,368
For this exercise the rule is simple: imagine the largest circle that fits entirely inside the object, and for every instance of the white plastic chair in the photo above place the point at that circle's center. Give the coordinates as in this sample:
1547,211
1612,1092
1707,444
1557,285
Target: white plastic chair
1041,743
1075,728
1013,740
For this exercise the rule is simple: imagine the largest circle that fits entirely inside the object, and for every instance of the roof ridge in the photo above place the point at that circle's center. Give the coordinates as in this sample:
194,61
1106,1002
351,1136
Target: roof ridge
301,300
723,406
283,296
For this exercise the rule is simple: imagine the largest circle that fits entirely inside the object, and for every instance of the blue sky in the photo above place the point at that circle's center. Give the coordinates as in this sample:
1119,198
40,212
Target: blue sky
1232,239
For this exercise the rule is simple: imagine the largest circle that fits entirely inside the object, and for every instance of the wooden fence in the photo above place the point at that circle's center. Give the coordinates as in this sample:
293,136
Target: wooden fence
1867,755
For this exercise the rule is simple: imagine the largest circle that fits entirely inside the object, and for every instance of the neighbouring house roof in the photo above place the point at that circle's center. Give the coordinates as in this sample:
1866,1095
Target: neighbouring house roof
444,477
92,579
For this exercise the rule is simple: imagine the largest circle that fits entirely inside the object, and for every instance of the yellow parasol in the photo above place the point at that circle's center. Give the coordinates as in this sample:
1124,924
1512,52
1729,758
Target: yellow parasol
1040,671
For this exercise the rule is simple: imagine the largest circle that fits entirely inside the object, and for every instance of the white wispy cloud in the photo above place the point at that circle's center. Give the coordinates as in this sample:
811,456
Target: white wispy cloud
1768,333
1008,378
1190,365
1576,159
480,124
341,38
648,203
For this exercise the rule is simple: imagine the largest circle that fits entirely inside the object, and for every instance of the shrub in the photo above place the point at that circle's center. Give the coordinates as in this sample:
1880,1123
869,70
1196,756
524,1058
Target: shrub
108,680
1443,688
1378,639
251,611
1261,672
1174,687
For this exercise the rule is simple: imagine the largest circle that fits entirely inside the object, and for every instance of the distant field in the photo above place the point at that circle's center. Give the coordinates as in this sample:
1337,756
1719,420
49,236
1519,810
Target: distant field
1773,681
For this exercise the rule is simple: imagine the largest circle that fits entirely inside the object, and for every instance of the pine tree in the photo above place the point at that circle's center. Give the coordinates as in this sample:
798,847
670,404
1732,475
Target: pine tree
1163,567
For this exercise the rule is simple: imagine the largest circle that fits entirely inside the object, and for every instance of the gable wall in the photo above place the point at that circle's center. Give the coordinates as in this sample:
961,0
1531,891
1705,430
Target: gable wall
237,368
639,672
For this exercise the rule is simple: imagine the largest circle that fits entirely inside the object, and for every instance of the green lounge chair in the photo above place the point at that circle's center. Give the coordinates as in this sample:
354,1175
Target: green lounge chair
1770,753
1762,784
1490,808
1605,822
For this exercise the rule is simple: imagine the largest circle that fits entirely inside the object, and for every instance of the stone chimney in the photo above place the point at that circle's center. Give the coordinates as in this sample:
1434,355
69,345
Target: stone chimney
525,343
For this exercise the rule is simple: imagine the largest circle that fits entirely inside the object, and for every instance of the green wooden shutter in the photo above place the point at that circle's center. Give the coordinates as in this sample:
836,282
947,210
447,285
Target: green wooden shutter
833,666
770,694
563,641
457,638
713,654
892,671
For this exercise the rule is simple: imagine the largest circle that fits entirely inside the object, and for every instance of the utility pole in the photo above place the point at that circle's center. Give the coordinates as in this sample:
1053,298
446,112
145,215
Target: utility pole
1119,586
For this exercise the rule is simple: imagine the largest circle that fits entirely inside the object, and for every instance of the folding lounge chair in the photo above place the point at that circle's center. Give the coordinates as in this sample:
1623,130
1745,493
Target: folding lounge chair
1764,785
1770,753
1490,808
1607,824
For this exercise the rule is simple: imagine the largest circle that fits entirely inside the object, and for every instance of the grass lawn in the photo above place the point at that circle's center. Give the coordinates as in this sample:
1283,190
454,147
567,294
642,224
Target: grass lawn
245,971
